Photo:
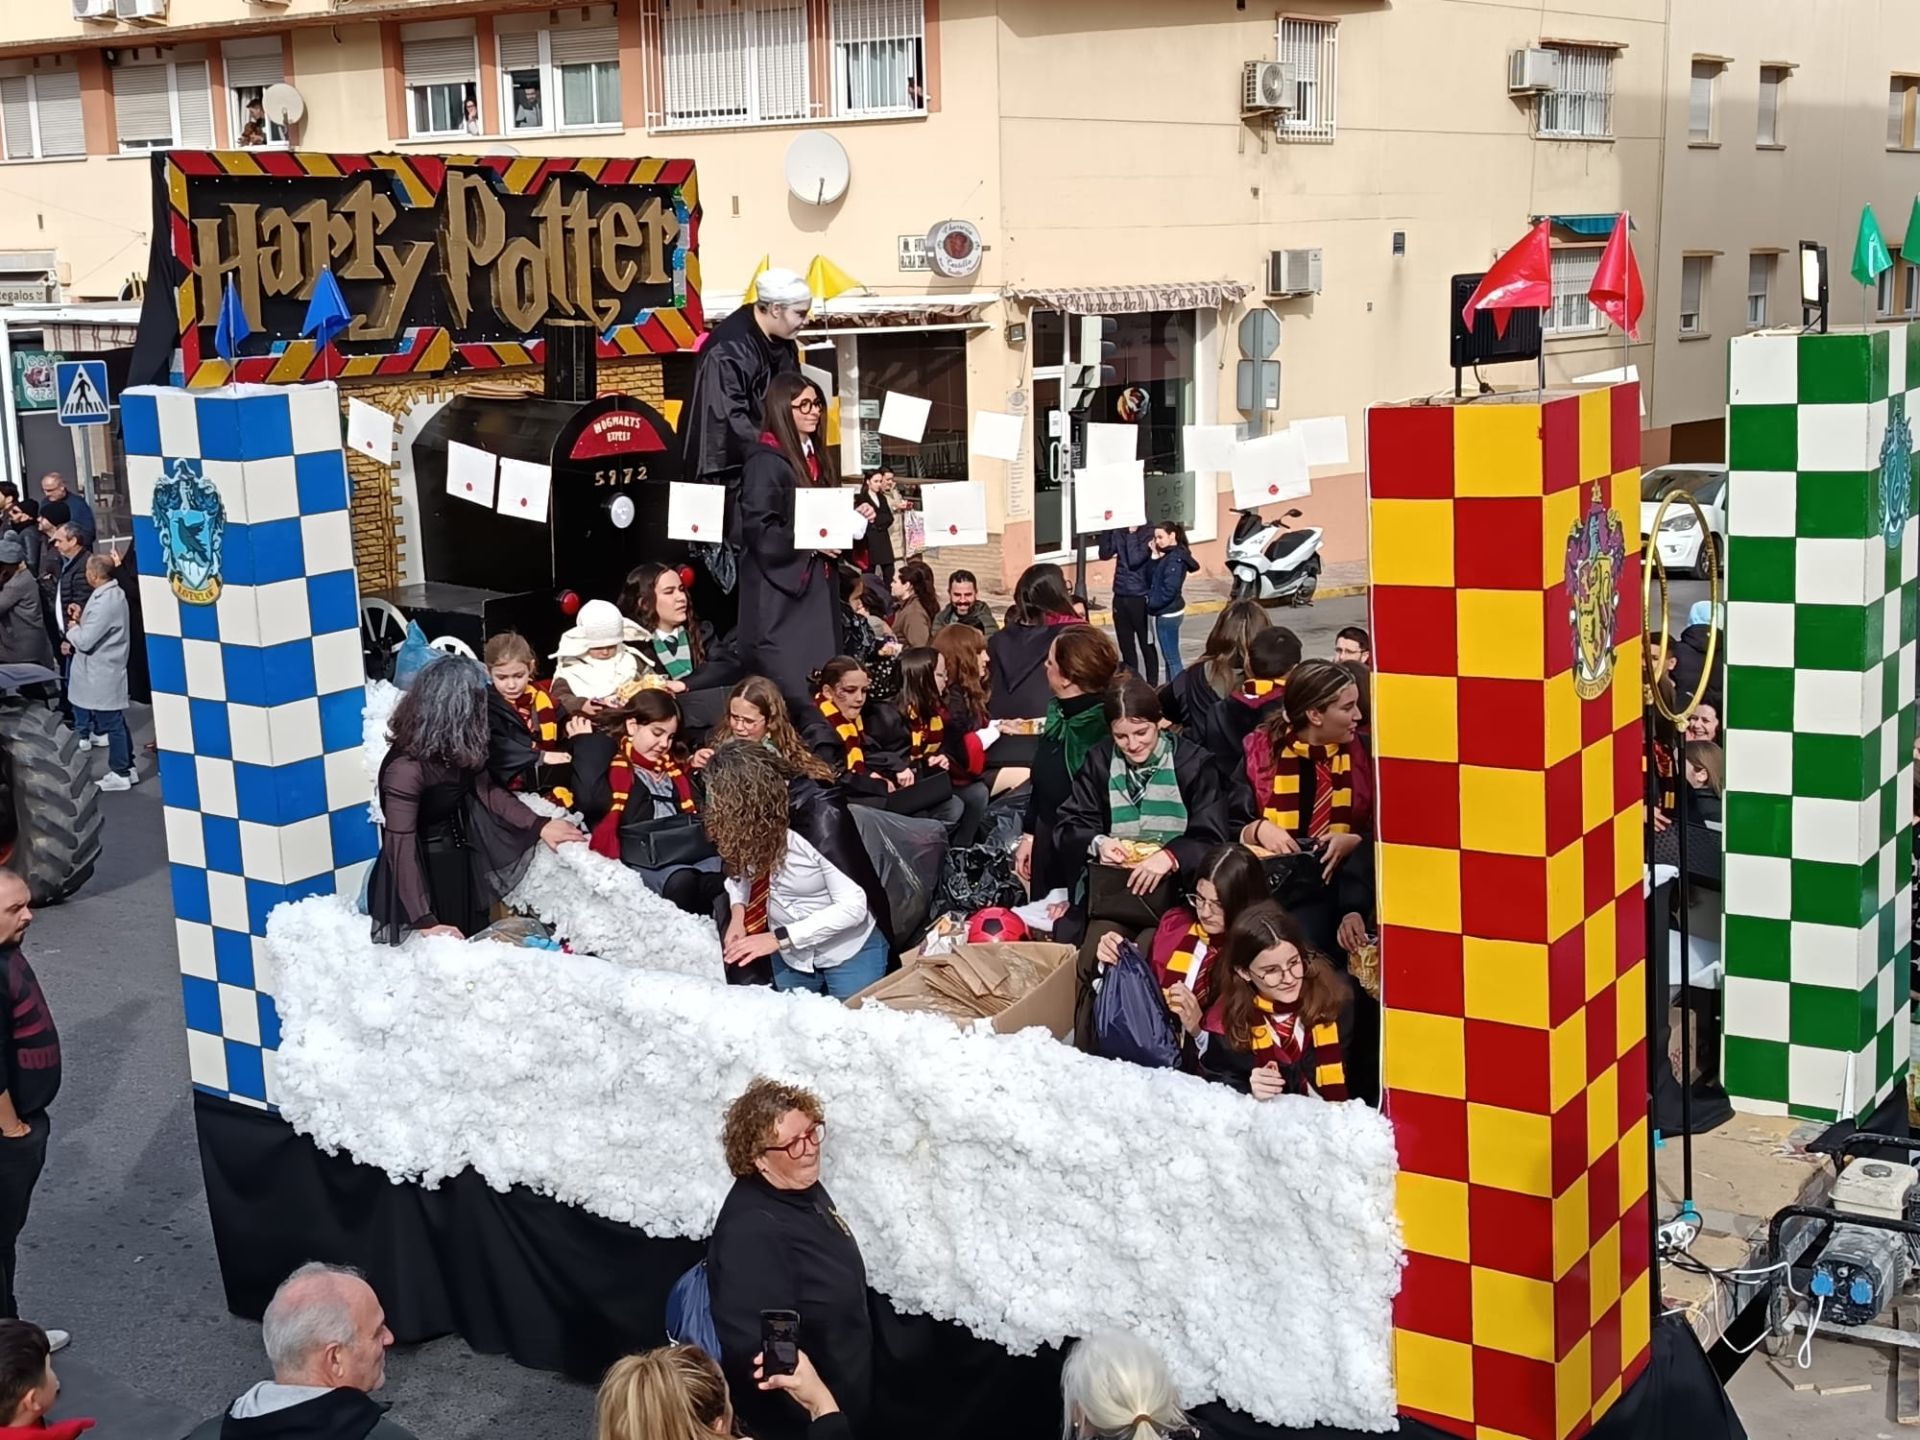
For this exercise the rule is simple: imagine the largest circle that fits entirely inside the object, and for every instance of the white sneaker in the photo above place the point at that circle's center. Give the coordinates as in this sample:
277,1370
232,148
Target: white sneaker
100,742
113,780
58,1339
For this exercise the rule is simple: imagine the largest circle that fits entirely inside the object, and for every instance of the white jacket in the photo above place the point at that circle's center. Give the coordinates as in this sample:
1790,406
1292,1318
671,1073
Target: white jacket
98,680
824,912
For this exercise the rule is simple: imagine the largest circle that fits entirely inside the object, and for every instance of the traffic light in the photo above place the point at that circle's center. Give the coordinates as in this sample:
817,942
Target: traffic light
1094,369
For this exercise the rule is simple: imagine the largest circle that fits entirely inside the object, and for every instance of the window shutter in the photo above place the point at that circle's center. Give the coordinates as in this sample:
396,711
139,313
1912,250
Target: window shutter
63,125
585,45
140,104
447,61
520,50
195,99
245,72
16,116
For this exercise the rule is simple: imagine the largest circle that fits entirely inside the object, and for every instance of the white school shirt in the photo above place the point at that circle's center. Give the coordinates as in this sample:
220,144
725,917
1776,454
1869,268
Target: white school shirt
825,913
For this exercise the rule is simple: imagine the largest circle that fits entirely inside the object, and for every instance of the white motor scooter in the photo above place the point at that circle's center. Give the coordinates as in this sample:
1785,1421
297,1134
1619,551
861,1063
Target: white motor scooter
1270,560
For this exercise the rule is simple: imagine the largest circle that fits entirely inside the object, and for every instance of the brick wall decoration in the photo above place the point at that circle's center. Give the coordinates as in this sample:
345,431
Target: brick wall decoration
1507,635
1821,560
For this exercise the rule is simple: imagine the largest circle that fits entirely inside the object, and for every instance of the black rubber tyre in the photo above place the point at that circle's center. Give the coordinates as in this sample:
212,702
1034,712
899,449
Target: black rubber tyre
1708,559
1309,582
56,805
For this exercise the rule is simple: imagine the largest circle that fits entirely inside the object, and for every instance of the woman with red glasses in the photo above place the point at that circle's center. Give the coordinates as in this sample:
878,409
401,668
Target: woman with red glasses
779,1244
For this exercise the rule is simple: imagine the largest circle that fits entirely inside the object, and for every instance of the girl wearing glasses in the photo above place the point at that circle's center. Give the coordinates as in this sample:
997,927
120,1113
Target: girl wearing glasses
789,596
1287,1021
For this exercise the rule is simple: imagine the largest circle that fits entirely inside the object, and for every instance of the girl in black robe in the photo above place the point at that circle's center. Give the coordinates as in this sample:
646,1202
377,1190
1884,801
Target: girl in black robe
789,596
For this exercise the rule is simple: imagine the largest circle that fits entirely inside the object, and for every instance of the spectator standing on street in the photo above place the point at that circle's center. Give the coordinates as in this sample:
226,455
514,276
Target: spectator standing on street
1353,645
1132,555
30,1051
97,682
23,521
63,506
964,605
28,1386
1167,575
326,1337
23,628
914,604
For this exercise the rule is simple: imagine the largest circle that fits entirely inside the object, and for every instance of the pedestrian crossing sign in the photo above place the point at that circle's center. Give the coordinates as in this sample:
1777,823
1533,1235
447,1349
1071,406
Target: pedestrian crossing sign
82,388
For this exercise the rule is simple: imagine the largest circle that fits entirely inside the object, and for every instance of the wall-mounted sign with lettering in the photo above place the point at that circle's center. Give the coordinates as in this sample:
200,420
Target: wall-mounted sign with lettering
435,255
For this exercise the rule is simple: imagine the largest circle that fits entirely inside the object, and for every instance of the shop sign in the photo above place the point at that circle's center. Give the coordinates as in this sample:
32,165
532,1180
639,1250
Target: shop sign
25,292
33,379
436,257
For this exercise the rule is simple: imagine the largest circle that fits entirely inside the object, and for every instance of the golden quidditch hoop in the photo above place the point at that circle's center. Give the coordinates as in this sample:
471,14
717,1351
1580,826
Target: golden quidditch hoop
1654,570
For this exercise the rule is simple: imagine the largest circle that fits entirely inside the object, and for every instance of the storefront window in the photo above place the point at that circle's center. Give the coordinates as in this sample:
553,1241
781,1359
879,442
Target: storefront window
933,366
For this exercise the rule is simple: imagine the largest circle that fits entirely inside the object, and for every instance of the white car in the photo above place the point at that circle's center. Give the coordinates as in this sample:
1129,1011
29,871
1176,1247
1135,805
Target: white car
1682,546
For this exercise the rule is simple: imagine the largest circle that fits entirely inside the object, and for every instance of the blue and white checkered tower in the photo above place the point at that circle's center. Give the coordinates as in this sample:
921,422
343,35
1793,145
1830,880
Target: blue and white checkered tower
252,615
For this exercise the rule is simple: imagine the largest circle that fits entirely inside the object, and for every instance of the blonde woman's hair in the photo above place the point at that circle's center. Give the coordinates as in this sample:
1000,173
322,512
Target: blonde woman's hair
1116,1387
673,1393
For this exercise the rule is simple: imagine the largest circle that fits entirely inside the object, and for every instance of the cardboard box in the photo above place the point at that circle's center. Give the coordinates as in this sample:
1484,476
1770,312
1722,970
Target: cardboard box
1048,1004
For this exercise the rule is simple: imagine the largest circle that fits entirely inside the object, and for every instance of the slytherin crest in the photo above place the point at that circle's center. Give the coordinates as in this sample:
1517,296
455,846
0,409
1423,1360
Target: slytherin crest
1896,474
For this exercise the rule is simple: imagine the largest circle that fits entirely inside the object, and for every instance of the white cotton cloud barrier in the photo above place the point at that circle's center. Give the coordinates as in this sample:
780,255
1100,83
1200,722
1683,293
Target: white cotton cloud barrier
1006,1182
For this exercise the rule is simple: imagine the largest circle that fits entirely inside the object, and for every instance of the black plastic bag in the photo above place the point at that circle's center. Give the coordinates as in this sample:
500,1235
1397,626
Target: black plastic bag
979,877
906,851
1131,1020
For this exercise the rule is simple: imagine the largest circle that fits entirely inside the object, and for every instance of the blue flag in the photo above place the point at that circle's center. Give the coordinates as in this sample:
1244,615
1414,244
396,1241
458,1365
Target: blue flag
232,327
327,313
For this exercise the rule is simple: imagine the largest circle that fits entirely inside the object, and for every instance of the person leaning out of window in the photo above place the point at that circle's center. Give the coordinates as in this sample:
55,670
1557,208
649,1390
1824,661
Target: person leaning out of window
1145,802
1287,1018
1308,789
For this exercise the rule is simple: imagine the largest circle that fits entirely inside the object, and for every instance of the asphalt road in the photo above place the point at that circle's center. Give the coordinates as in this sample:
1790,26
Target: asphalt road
119,1249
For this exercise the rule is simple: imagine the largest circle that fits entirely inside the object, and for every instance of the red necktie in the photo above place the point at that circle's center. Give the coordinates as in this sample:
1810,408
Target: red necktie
1322,797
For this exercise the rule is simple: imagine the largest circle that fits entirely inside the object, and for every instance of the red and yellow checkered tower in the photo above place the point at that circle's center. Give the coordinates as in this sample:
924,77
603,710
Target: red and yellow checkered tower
1507,636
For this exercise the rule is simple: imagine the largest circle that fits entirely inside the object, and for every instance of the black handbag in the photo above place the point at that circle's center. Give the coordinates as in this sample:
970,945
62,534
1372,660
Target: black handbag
1295,879
659,844
1108,898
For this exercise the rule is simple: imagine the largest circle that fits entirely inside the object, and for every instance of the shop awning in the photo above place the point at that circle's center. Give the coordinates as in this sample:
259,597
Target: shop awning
1134,299
1595,225
875,312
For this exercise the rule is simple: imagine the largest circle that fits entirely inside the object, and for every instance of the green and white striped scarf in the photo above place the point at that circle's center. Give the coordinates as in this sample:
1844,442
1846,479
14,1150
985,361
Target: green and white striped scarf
675,651
1143,801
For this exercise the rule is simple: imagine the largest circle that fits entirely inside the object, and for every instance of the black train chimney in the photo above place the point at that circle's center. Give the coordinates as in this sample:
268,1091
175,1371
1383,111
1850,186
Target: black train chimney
572,361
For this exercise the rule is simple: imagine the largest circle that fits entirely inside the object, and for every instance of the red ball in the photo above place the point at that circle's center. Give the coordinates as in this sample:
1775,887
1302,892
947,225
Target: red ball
686,576
570,603
995,926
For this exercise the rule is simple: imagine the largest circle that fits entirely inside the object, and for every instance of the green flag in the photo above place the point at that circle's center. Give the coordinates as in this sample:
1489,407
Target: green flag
1913,218
1870,255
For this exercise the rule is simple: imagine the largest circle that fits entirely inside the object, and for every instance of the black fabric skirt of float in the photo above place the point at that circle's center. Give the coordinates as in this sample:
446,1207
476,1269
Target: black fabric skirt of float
557,1288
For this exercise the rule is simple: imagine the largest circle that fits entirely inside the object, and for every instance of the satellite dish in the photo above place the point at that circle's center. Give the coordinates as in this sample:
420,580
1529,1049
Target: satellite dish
283,105
511,152
817,168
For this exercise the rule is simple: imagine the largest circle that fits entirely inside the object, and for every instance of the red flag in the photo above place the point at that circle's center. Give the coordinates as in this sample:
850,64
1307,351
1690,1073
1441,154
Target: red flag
1616,291
1521,277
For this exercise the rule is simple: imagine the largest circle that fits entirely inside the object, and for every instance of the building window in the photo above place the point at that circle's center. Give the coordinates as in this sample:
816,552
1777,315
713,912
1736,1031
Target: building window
442,70
250,66
1702,94
1308,46
1883,289
1571,312
1694,270
164,103
1581,106
40,115
1759,286
1902,91
879,50
1910,288
1766,130
579,64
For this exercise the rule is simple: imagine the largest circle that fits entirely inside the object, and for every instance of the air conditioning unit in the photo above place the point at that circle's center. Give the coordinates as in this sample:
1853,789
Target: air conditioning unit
1265,87
143,12
1533,72
93,9
1293,272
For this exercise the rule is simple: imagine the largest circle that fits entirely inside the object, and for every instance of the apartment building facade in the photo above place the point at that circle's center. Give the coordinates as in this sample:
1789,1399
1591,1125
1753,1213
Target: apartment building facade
1064,158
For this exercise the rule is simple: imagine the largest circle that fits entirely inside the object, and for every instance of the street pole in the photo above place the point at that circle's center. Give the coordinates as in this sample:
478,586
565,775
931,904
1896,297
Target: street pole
1069,402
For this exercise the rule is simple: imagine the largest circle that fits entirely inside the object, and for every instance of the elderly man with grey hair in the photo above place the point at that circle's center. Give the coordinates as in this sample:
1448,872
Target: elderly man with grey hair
327,1339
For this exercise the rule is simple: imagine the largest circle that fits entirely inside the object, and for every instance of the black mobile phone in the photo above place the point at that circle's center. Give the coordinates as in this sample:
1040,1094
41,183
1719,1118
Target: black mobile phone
779,1342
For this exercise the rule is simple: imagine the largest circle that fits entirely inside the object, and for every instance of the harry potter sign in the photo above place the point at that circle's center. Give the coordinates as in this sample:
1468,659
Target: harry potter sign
437,256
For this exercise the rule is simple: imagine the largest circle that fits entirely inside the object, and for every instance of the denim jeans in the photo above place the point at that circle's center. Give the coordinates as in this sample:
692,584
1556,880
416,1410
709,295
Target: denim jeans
113,725
842,981
1167,630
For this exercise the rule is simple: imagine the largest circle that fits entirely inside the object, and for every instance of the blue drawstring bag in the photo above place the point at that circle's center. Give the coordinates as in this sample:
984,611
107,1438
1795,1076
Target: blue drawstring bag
1130,1016
690,1313
413,656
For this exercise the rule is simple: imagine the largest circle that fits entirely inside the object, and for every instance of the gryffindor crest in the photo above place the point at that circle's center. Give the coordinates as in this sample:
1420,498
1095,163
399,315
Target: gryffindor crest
1596,568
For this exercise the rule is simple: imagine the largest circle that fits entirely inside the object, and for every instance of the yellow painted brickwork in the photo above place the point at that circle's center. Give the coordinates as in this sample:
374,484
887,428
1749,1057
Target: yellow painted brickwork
377,542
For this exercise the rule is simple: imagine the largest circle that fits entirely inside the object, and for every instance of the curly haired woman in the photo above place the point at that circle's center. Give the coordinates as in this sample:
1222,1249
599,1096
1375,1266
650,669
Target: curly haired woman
789,901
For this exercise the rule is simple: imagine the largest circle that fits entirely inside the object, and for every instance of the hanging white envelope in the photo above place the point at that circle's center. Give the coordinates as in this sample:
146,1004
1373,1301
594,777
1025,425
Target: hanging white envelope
818,377
823,519
955,514
1112,445
470,474
1209,448
1111,497
370,431
524,488
1268,470
1323,438
996,436
904,416
696,512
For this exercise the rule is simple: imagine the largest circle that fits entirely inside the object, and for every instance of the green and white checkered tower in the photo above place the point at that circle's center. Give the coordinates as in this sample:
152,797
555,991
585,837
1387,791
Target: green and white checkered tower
1821,559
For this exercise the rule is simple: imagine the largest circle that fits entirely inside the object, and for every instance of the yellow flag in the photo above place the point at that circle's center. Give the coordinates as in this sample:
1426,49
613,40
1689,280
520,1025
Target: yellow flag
833,421
827,279
753,285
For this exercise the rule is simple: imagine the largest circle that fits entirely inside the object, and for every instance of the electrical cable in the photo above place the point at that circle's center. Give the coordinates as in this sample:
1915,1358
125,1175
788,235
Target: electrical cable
1805,1358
